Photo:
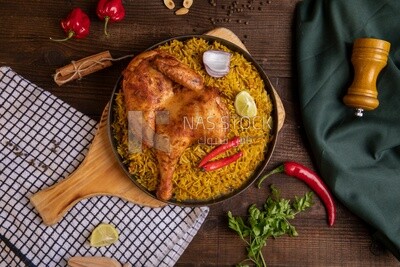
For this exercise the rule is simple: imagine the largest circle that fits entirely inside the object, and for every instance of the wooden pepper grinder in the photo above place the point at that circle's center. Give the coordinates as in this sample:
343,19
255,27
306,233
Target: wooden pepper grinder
369,57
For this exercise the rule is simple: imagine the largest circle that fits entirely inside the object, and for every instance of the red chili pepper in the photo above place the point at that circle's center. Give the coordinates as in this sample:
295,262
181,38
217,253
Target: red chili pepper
312,179
76,25
235,141
217,164
110,11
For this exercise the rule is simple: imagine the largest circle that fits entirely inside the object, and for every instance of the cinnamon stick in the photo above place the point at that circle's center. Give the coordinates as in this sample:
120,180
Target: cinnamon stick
80,68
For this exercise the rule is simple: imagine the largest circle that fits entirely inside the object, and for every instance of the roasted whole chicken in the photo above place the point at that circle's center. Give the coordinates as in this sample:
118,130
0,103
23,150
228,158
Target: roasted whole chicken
169,108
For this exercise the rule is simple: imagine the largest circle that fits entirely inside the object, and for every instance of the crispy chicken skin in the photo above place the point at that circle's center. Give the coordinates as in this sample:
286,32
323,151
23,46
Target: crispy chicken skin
145,89
177,110
178,72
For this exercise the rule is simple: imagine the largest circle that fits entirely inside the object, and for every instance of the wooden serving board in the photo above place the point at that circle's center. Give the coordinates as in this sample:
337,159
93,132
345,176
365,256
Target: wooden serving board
100,172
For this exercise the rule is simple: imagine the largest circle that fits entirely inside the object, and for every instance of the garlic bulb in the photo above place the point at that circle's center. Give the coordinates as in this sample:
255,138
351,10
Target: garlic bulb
217,62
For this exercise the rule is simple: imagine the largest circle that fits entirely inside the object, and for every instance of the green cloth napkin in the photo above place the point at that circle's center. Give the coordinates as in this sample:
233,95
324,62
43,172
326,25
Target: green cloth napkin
359,158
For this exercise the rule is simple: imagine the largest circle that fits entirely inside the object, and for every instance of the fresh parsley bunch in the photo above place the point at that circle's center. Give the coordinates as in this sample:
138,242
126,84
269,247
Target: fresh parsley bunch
270,221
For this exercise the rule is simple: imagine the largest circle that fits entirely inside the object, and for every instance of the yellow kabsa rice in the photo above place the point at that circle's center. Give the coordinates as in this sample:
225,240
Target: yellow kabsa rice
190,183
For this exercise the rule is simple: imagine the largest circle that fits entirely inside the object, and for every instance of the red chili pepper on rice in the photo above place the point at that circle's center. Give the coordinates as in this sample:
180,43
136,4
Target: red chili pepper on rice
217,164
235,141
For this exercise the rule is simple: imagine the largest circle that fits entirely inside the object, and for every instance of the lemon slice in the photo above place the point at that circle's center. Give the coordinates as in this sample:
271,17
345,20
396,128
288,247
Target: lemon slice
245,105
103,235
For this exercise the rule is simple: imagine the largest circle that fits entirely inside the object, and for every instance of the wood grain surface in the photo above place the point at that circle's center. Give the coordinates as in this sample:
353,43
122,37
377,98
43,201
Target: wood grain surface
266,27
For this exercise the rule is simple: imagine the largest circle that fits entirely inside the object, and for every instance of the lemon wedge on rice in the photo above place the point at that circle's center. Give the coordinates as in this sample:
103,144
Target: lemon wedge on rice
103,235
245,105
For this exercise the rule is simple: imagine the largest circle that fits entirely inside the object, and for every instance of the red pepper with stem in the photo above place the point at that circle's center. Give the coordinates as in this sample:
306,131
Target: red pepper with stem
235,141
110,11
75,25
312,179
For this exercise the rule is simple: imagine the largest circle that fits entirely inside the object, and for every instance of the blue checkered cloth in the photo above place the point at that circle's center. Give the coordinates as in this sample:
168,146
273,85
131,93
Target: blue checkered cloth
42,141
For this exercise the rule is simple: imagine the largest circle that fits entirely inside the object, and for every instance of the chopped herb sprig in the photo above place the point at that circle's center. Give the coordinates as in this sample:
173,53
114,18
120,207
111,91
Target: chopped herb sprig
272,220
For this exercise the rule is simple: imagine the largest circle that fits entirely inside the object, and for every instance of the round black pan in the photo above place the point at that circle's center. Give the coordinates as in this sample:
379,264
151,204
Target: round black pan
268,152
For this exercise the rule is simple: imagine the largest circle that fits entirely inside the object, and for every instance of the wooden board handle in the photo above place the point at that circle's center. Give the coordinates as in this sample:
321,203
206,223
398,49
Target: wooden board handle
98,174
53,202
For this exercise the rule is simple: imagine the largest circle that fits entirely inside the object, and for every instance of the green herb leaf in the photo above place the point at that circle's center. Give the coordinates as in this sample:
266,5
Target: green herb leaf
270,221
301,204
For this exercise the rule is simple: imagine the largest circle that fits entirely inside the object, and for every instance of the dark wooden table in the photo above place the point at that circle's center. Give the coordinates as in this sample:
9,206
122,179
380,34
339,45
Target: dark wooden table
266,28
